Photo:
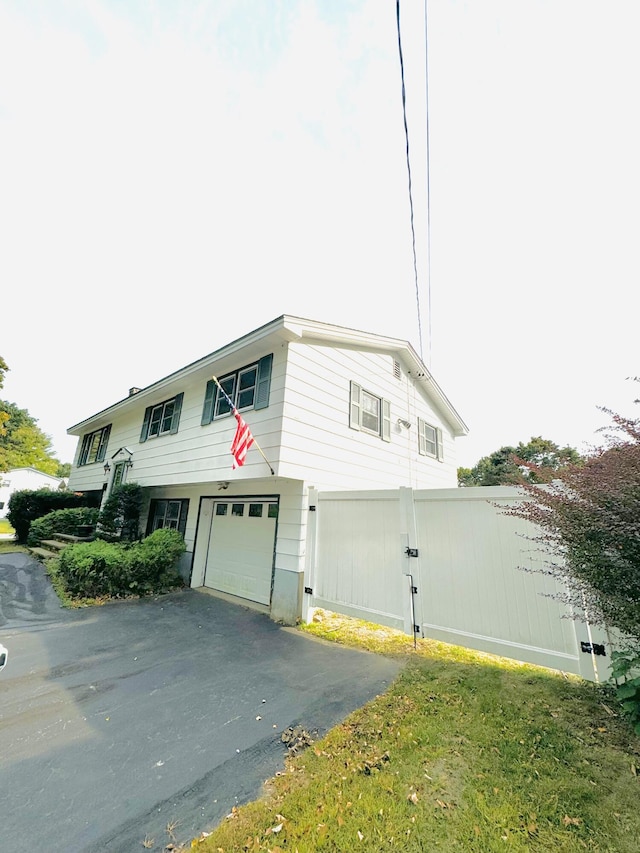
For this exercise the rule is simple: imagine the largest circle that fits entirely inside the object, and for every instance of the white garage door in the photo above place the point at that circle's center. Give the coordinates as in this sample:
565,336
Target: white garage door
240,552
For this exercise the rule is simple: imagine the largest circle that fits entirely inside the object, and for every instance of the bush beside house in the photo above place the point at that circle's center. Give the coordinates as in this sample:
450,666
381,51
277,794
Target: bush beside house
27,505
103,569
61,521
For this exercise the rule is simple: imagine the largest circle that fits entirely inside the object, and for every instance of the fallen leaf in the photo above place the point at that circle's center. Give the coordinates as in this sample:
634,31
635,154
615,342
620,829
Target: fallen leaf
413,797
360,835
634,770
571,821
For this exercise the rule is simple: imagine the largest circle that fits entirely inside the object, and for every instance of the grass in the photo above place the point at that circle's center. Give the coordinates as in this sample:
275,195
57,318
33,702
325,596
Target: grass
5,527
464,752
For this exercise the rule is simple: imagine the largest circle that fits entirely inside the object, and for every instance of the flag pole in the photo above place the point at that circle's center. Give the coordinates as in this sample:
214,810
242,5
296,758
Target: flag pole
233,409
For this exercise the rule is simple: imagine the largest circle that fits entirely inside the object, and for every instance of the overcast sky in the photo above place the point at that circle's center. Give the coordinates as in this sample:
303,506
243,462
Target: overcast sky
173,175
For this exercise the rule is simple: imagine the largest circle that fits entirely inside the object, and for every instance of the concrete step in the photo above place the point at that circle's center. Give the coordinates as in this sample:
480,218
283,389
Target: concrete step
53,544
42,553
68,538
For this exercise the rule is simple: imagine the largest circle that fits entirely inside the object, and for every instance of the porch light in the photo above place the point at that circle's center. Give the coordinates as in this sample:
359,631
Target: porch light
107,468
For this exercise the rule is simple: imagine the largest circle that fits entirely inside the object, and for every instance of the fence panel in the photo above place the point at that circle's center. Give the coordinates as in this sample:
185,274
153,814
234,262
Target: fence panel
357,567
471,586
472,590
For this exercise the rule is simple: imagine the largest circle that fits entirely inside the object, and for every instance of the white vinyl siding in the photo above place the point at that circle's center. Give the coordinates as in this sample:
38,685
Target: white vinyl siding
321,419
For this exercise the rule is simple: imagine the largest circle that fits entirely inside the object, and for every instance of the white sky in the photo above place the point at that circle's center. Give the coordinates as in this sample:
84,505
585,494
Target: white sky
173,175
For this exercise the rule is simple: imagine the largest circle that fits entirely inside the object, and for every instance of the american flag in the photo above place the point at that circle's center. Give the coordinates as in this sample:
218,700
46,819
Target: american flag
242,441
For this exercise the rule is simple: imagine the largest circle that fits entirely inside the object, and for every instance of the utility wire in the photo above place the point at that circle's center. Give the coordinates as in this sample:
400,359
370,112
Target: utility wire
406,136
426,80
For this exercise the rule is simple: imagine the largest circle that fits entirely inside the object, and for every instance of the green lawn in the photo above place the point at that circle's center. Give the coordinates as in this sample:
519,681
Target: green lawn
464,752
5,527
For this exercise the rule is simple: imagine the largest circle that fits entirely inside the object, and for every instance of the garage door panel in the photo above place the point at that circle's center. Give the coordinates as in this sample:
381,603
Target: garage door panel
240,554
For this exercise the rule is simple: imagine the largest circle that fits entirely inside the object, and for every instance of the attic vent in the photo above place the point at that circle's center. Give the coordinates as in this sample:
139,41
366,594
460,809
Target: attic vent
133,391
396,368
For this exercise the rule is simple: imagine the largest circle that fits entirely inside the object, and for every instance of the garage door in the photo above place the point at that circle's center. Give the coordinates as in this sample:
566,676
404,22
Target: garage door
240,552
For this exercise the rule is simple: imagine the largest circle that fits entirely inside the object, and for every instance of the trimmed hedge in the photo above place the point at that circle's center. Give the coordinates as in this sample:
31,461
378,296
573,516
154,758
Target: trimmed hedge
27,504
61,521
115,569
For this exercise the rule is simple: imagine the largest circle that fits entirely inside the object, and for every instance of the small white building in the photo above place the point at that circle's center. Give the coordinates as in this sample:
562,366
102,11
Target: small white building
331,408
24,478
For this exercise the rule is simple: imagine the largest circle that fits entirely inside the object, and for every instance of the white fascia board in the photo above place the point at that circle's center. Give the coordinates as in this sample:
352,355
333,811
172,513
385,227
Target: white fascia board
287,329
203,366
309,331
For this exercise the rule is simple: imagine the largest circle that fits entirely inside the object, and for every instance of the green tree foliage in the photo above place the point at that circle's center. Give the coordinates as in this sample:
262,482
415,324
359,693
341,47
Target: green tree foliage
64,469
120,516
4,417
538,461
22,442
590,516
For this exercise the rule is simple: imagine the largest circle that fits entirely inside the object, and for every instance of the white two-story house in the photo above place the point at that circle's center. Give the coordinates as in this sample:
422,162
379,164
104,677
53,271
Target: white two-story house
330,408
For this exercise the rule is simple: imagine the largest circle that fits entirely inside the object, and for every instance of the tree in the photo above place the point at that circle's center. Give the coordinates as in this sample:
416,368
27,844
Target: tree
590,517
4,417
22,442
64,469
538,461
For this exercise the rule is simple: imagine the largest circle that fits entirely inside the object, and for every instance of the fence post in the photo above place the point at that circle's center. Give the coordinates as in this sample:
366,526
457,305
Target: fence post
310,555
410,565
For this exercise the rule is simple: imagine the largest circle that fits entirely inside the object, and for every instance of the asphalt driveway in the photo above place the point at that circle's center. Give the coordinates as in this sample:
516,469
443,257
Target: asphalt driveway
116,722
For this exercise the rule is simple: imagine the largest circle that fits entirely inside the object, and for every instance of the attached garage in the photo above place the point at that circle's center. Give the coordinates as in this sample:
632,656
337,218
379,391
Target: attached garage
237,537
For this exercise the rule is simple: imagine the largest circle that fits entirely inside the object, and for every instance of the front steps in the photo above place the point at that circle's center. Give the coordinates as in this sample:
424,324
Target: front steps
51,547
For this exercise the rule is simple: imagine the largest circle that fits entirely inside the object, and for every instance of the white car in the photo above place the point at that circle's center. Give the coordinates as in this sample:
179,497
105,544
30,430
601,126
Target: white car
4,656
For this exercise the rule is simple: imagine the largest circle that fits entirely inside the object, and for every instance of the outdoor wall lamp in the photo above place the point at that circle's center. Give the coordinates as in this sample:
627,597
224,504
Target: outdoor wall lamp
403,423
223,485
128,463
107,468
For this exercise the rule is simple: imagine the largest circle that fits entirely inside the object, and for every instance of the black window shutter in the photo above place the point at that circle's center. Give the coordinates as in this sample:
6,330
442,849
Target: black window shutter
177,408
82,459
145,425
104,441
209,401
263,385
182,523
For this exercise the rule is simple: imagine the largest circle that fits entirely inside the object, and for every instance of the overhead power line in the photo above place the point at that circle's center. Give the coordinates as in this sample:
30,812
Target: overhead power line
406,136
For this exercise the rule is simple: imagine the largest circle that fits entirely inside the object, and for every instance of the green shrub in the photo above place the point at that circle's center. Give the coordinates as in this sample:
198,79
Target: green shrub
120,516
625,668
115,569
27,505
61,521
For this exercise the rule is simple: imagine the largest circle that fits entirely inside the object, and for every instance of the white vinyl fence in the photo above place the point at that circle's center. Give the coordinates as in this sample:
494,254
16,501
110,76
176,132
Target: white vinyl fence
448,564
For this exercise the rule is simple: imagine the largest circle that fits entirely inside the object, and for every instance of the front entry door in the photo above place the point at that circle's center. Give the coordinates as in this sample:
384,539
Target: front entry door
241,548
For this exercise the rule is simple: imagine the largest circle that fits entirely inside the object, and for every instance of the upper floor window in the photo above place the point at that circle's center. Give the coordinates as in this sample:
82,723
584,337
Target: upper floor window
94,446
162,418
369,413
247,388
430,440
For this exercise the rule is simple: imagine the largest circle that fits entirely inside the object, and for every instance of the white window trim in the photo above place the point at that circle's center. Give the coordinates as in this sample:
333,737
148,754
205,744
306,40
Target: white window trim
356,392
422,441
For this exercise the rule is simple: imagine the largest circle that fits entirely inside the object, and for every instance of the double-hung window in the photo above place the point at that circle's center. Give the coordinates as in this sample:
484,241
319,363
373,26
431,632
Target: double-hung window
247,388
168,513
369,413
162,418
94,446
430,440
